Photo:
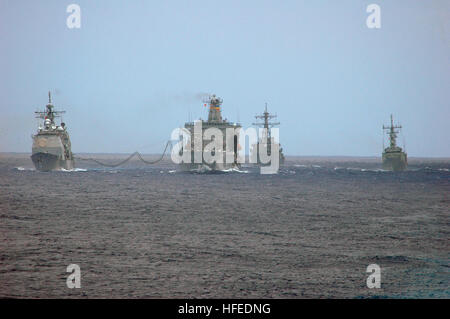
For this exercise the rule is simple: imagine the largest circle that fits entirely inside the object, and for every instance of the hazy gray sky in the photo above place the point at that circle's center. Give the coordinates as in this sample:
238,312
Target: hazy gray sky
133,71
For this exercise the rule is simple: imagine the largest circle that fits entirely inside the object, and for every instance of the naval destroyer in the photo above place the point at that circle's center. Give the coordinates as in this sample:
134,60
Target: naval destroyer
51,144
265,140
197,145
394,158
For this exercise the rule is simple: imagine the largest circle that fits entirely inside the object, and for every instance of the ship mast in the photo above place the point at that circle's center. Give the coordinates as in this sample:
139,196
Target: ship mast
392,133
49,113
266,116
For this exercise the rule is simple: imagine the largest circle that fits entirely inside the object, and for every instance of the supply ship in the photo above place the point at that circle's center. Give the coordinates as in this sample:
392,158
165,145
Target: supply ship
394,158
265,140
198,144
51,148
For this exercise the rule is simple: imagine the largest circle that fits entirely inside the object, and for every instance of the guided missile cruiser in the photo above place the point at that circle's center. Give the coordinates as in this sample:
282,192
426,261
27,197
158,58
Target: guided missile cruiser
51,148
394,158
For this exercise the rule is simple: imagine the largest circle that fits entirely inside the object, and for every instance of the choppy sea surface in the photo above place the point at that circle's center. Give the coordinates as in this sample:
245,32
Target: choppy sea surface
152,231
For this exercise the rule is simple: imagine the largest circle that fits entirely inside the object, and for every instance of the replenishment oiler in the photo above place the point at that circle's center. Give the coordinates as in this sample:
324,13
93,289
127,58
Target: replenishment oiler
51,148
394,158
197,144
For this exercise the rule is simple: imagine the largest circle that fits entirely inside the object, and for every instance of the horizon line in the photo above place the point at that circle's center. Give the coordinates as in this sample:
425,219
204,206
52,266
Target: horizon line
306,156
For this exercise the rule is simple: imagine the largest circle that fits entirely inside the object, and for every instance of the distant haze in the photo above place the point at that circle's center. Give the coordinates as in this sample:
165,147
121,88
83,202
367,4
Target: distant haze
136,70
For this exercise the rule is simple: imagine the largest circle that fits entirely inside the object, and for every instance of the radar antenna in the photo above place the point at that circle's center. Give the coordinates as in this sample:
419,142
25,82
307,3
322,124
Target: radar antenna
49,113
266,124
392,133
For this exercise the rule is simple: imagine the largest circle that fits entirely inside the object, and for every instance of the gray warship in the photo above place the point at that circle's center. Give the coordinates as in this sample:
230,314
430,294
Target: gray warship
394,158
51,148
265,141
197,144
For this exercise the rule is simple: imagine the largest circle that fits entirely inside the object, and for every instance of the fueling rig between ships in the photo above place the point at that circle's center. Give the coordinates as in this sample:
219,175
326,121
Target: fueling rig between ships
52,150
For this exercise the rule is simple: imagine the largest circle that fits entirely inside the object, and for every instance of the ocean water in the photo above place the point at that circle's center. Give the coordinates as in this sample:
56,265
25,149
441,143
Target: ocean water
151,231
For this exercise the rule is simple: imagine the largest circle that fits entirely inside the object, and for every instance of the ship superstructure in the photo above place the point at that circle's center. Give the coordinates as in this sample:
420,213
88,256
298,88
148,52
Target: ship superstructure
199,142
51,144
266,140
394,158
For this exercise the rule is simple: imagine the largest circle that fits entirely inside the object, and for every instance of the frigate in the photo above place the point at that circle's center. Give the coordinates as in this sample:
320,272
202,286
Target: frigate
51,148
394,158
266,140
198,144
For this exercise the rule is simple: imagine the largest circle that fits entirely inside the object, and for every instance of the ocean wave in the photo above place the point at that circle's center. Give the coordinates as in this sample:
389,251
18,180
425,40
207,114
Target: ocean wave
357,169
208,170
375,170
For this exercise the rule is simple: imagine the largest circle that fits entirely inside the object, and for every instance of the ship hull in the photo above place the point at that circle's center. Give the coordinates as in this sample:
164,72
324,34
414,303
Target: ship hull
225,156
45,162
394,161
255,148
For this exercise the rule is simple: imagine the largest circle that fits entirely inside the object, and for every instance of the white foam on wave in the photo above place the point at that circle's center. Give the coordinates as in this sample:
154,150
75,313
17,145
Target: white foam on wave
73,170
206,169
201,169
376,170
337,168
237,170
20,168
